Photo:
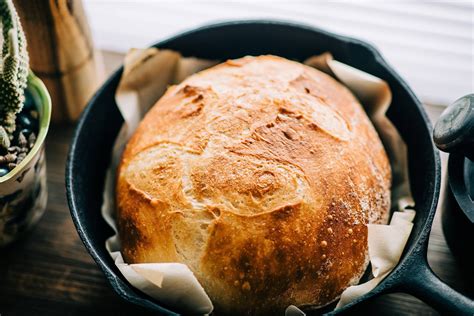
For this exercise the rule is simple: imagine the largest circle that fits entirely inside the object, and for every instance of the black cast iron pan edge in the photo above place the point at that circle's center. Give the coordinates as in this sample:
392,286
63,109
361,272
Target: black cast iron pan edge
412,275
120,286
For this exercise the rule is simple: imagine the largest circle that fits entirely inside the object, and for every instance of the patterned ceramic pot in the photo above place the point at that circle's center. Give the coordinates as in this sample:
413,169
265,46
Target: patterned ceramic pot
23,191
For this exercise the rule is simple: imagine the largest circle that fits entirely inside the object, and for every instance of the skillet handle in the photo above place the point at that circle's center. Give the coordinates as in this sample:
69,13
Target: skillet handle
422,283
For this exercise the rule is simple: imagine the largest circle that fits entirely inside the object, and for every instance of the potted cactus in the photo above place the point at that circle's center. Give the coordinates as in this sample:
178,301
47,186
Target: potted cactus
25,109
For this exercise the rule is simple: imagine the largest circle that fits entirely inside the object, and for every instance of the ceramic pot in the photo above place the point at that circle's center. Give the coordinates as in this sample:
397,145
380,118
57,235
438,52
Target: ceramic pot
23,191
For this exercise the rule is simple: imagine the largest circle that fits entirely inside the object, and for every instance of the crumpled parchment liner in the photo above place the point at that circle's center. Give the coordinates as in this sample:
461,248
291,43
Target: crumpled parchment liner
147,73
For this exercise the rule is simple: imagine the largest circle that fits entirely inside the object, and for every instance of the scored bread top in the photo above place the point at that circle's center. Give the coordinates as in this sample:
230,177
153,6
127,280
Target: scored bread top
261,174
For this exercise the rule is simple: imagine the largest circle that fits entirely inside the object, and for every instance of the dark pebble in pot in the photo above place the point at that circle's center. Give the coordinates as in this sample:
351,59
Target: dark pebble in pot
26,131
29,102
25,121
35,124
3,171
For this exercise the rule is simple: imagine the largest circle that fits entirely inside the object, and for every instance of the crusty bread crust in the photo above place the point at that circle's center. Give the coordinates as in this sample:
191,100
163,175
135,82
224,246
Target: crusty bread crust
261,174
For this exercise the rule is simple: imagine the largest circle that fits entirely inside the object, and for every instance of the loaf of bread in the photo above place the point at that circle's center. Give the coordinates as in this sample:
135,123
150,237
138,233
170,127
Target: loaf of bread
261,174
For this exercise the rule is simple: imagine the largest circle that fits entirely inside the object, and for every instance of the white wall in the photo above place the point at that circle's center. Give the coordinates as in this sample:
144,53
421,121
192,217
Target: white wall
430,43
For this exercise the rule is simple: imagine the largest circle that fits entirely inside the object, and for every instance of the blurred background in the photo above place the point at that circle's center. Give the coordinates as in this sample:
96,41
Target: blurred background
430,43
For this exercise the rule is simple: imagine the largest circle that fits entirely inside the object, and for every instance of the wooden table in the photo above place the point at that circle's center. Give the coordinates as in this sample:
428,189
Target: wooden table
49,272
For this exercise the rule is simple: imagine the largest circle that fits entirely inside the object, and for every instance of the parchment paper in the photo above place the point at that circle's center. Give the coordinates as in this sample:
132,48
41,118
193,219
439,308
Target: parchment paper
147,73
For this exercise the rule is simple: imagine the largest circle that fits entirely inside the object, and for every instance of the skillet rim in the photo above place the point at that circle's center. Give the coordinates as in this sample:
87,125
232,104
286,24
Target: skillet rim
392,281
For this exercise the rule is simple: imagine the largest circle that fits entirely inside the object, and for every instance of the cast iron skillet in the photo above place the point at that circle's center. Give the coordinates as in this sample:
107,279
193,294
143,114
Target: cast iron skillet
97,128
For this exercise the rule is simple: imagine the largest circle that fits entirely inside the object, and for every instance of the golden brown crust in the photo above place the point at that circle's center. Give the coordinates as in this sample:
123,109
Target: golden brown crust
261,174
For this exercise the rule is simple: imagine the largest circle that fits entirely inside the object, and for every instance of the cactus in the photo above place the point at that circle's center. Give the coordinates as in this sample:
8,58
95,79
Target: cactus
13,70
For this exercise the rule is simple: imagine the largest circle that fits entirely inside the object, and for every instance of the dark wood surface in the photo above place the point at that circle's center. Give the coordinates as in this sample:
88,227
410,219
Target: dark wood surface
49,272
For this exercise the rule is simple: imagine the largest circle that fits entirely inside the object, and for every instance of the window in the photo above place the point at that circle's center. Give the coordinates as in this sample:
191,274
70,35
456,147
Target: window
430,43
